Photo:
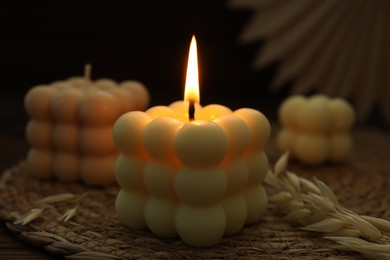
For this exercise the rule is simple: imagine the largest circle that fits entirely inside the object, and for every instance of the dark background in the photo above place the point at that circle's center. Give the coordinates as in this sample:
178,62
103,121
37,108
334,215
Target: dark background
144,40
42,42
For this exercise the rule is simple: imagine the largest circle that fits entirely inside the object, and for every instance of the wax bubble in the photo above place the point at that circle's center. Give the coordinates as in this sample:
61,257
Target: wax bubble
257,201
129,172
66,167
343,115
129,207
237,174
65,105
211,112
289,109
105,84
258,167
200,186
236,213
99,108
259,126
181,108
65,137
200,227
38,133
89,144
78,82
201,143
37,102
126,99
158,137
139,91
39,163
159,179
163,223
238,134
286,139
315,117
312,149
160,111
127,132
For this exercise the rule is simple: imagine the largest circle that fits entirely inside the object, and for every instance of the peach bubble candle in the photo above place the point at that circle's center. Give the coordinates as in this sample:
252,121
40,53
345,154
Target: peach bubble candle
70,127
191,171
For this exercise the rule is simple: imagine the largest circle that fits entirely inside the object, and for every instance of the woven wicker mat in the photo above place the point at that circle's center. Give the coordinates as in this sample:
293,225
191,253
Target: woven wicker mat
94,232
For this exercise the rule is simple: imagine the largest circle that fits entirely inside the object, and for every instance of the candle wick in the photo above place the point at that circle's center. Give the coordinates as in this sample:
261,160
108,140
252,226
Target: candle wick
87,74
191,110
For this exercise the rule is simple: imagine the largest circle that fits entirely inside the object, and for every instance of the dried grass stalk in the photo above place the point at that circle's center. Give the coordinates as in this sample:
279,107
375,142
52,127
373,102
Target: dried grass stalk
315,206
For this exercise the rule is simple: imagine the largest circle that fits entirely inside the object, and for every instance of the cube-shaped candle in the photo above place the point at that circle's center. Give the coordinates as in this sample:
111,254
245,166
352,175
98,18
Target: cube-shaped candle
200,179
190,171
316,129
70,127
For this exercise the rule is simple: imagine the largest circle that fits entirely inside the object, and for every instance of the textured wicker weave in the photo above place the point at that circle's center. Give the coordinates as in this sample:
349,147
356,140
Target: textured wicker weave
361,185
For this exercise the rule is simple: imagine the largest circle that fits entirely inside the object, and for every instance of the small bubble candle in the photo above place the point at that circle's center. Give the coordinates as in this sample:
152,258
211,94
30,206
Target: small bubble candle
316,129
70,127
191,171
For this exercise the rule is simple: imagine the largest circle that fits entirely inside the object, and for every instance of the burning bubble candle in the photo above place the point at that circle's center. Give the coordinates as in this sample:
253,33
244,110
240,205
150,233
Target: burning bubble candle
70,127
191,171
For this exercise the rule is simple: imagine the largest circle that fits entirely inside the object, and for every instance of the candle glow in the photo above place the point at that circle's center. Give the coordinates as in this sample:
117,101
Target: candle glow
191,92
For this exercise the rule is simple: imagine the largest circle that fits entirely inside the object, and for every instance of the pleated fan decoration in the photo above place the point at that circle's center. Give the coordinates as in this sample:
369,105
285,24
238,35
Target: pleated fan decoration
337,48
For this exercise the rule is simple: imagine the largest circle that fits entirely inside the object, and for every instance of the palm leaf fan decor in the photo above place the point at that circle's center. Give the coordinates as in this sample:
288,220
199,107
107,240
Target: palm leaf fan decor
337,48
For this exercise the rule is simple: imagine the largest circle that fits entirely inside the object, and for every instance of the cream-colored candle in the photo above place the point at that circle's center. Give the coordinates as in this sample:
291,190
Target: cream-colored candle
316,129
70,127
197,178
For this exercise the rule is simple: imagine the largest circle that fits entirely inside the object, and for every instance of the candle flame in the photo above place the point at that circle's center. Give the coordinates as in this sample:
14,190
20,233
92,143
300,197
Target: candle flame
191,92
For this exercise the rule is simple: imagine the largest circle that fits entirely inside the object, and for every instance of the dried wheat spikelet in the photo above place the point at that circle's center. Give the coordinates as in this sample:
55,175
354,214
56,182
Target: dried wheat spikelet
50,202
70,213
63,197
29,216
316,208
